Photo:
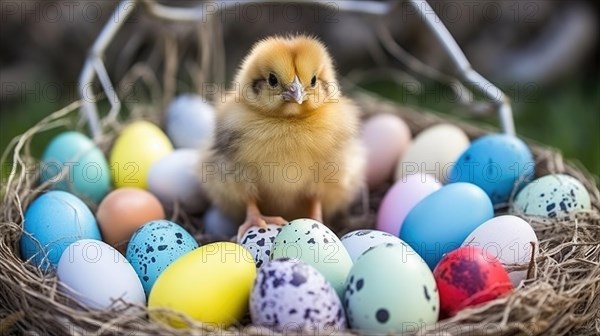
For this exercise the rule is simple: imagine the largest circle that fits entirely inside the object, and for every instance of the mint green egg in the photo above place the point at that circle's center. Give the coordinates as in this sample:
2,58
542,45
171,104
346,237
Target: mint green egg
390,289
316,245
552,196
73,163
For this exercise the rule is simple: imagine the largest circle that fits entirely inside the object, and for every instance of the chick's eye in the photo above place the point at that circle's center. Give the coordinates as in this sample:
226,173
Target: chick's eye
313,81
272,80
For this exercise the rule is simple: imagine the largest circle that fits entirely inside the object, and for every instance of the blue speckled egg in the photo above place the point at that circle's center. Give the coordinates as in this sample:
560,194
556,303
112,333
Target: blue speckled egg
156,245
497,163
441,222
552,196
52,222
73,163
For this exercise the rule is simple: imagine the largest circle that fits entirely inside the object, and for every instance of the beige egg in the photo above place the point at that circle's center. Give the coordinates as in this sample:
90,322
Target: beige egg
386,137
433,151
125,210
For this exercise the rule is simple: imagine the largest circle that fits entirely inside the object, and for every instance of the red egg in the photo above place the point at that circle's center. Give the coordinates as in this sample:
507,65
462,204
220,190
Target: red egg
468,276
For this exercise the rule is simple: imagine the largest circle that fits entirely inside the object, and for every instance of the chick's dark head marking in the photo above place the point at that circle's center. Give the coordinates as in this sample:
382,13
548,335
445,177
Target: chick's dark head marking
287,77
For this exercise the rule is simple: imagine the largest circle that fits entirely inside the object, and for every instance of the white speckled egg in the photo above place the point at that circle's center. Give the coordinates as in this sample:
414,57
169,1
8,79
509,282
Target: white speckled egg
552,196
190,121
259,242
290,295
390,289
359,241
509,239
433,151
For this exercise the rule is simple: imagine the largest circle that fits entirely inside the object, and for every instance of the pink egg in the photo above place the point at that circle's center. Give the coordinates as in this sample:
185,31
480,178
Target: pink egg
385,137
401,198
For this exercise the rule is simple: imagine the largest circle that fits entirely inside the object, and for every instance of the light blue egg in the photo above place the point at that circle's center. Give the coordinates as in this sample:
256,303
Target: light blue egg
441,221
156,245
77,165
190,121
55,220
497,163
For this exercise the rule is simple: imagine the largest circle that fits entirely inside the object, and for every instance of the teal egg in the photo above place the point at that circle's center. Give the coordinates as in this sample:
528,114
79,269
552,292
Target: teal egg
73,163
497,163
155,246
52,222
316,245
441,221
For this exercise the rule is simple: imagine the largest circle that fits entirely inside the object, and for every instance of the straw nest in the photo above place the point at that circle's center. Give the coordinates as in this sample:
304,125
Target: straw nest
561,296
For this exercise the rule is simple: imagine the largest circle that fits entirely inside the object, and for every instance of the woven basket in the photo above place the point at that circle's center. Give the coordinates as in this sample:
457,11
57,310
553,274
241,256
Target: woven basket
561,296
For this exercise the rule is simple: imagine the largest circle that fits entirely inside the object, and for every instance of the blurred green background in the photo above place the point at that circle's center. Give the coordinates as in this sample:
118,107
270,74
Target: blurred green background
545,58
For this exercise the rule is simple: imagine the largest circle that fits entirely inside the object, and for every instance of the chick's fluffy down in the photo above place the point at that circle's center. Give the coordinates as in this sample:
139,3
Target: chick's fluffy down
282,153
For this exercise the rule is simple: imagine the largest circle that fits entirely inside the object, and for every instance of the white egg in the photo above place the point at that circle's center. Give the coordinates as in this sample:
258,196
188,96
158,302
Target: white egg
433,151
174,178
508,238
359,241
259,242
98,276
190,122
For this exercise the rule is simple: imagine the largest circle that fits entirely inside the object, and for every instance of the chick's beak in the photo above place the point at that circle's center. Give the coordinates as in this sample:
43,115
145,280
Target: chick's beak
295,92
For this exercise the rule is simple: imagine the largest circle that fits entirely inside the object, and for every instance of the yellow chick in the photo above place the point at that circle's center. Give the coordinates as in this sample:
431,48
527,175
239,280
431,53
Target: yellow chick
286,141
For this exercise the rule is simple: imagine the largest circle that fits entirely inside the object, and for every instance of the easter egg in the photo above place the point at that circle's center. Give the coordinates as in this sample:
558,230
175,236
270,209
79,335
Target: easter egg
73,163
433,151
98,276
552,196
385,137
316,245
497,163
401,198
174,179
138,146
155,246
52,222
219,226
123,211
210,284
442,220
509,239
359,241
467,277
259,241
390,289
190,122
290,295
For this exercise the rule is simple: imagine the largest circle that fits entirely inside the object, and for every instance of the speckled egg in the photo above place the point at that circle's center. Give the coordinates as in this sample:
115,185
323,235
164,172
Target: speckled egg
390,289
155,246
468,276
316,245
259,242
289,295
497,163
552,196
359,241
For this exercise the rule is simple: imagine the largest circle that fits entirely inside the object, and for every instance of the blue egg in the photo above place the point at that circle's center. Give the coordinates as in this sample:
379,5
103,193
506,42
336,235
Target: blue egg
75,164
497,163
52,222
190,122
219,226
156,245
441,221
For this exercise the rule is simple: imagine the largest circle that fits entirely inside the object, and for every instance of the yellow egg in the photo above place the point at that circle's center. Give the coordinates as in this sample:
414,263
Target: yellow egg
135,150
211,284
